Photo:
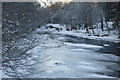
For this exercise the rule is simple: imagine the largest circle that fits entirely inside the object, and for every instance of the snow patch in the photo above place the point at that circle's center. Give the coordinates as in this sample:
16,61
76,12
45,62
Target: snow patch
83,45
106,45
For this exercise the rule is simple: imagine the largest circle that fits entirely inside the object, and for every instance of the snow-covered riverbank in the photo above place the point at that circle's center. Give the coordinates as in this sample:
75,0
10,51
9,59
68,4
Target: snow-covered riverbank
81,33
113,36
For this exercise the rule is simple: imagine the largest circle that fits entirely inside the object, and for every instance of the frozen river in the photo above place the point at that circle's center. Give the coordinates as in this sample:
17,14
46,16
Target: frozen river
67,57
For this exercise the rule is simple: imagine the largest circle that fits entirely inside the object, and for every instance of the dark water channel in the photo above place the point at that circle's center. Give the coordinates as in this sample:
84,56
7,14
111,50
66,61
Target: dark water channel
111,48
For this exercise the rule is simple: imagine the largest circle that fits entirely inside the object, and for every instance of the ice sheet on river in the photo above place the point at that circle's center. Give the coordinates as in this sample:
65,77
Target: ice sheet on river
70,60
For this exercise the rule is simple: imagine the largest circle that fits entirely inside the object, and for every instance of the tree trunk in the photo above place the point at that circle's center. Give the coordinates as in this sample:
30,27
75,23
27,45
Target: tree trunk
107,27
93,31
86,26
102,24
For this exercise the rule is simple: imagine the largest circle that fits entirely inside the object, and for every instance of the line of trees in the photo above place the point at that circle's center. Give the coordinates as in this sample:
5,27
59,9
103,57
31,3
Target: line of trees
112,12
87,14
